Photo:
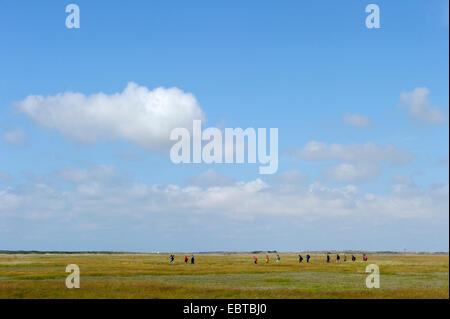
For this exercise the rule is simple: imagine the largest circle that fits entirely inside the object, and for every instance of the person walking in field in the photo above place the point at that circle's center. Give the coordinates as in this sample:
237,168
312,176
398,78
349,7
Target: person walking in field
365,257
338,258
192,260
328,258
255,260
353,258
267,259
300,258
172,259
308,257
278,258
186,259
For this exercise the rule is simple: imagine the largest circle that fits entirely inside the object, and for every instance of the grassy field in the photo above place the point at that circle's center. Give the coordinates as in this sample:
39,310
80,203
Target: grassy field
221,276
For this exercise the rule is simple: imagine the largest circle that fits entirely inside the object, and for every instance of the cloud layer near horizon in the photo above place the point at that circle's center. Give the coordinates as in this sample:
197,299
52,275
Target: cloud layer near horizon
103,191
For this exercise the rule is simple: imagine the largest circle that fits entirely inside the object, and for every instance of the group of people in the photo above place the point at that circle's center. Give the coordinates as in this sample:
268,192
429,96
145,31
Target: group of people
186,259
300,258
278,259
338,258
308,258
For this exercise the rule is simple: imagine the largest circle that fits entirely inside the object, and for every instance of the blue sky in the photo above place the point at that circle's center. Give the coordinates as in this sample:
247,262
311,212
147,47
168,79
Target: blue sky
362,116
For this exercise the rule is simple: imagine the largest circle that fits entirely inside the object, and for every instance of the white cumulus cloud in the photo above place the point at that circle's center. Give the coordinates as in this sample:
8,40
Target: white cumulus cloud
144,117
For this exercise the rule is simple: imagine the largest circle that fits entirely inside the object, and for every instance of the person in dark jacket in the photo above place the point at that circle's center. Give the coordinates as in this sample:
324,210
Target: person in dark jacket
300,258
328,258
308,257
192,260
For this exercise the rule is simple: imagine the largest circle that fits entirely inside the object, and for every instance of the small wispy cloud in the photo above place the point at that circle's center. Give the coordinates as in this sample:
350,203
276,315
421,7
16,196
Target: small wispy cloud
358,162
5,177
15,137
419,107
443,161
210,178
356,120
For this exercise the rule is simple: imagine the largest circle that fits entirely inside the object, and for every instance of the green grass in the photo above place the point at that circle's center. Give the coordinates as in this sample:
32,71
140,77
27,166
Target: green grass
221,276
